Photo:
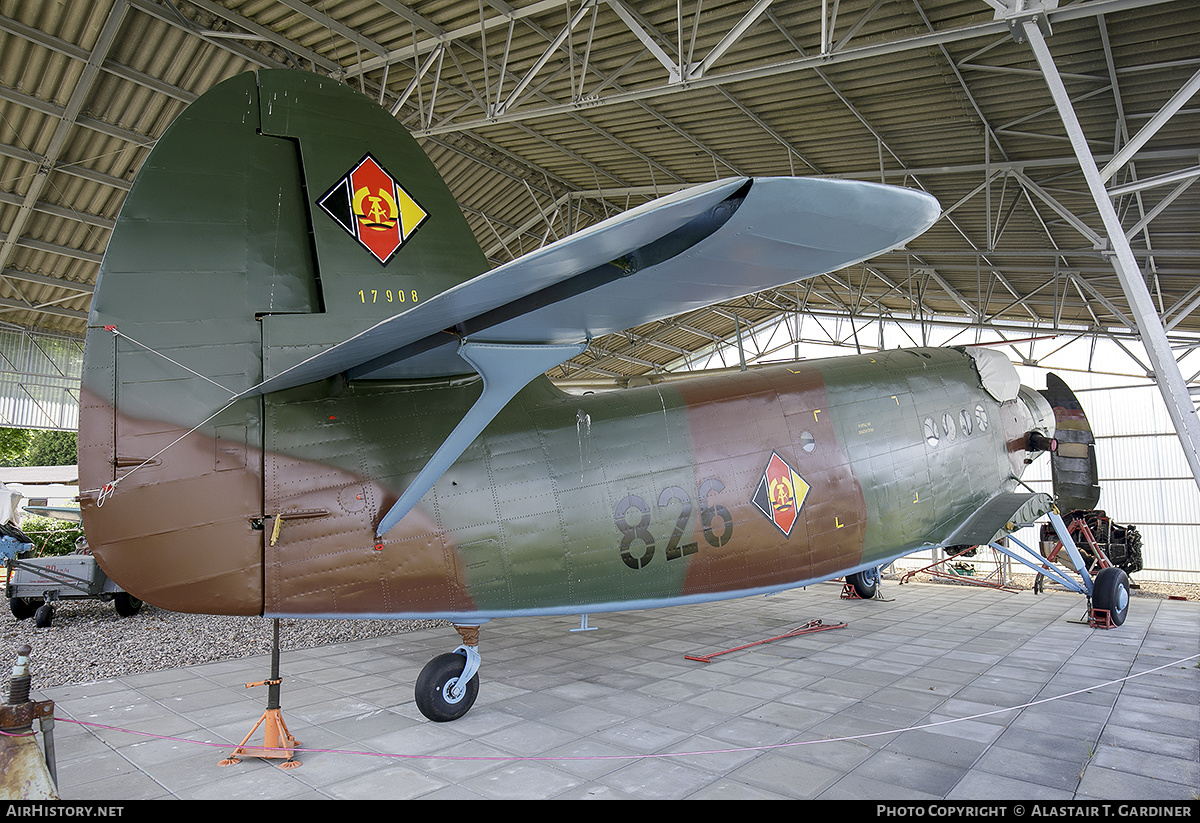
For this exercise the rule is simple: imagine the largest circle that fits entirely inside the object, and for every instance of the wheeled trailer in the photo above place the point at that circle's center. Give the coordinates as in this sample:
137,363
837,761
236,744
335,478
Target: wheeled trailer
34,584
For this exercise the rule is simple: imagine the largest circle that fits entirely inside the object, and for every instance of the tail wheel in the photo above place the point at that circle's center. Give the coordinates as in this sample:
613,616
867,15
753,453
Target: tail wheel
126,604
43,615
437,691
865,583
1110,592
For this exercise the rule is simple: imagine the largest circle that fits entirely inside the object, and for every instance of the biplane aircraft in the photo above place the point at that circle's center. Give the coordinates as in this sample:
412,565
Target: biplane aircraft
305,394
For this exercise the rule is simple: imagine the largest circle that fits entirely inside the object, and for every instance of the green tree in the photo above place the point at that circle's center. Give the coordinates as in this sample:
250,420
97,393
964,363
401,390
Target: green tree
52,448
51,536
13,443
35,447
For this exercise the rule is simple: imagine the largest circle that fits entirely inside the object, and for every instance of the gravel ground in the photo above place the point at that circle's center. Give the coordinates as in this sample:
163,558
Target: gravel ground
87,641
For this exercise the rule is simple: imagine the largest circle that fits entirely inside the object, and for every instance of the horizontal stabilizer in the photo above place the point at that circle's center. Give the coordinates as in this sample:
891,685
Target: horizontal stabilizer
702,245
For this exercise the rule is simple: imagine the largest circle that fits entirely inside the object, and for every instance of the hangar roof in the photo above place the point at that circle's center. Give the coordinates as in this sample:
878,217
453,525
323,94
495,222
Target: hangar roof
548,115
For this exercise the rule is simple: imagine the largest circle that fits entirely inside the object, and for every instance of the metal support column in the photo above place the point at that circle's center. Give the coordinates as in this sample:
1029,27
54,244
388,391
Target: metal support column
1149,326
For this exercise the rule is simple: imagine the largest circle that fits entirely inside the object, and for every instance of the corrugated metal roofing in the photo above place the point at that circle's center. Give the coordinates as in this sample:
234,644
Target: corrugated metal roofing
530,119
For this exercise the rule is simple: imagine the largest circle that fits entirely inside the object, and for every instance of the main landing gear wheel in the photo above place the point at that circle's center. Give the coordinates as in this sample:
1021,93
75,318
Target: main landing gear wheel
439,695
865,583
1111,593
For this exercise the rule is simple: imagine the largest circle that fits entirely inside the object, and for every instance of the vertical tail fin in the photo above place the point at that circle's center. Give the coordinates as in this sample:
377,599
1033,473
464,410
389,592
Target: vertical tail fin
280,213
385,229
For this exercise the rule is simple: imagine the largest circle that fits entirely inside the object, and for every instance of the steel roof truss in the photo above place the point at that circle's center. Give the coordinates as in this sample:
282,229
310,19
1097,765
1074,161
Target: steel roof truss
1152,127
1166,371
66,121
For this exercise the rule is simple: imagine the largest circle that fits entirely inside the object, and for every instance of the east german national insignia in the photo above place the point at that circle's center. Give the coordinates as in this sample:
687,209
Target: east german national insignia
780,494
373,209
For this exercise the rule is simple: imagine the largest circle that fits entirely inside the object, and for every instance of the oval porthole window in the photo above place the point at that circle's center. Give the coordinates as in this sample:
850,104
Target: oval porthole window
807,441
948,425
981,416
931,433
964,419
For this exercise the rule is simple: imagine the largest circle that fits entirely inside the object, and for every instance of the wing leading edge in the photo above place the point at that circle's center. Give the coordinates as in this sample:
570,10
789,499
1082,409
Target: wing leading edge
709,243
713,242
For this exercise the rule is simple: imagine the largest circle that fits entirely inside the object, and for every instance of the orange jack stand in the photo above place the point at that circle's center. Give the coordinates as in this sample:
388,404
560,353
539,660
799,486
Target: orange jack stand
849,592
278,743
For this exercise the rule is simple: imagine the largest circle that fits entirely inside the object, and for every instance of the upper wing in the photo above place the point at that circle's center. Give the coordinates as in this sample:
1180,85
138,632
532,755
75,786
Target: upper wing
703,245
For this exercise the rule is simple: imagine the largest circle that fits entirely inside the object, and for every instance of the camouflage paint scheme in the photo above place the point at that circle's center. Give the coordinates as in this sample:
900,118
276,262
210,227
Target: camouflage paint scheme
714,487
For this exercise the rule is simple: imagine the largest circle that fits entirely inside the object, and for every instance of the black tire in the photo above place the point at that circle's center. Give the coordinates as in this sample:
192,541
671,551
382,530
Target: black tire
22,607
43,615
1110,592
126,604
433,687
865,583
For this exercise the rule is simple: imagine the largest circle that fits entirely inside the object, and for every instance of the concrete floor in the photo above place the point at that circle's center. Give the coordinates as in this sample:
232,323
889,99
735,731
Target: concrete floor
934,692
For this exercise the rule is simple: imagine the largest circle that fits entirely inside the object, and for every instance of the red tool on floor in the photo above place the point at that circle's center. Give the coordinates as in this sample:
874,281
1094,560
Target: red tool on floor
808,628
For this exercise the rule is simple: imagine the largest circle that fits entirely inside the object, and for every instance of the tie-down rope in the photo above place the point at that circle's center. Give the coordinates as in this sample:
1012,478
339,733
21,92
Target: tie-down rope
108,489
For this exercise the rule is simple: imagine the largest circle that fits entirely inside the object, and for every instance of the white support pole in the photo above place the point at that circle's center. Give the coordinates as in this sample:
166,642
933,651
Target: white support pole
1166,371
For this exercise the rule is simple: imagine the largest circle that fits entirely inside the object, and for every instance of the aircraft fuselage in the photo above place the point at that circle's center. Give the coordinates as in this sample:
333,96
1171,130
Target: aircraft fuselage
709,487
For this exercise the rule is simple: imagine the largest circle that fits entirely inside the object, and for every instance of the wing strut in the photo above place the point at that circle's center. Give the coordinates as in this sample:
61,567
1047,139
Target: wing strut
506,368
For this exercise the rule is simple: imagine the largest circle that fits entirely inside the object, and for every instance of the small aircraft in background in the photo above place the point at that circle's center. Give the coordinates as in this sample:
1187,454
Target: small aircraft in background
305,394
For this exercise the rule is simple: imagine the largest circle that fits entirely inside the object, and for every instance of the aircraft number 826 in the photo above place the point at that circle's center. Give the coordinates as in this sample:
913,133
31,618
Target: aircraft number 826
640,532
